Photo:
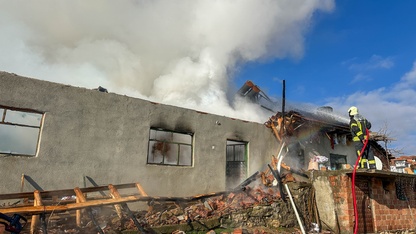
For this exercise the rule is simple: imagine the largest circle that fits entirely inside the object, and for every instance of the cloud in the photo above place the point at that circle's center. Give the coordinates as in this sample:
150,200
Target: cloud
394,104
409,79
360,77
375,62
176,52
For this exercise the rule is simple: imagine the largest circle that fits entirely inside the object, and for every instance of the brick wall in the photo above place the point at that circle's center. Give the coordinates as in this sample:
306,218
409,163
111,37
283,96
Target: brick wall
394,203
383,203
341,186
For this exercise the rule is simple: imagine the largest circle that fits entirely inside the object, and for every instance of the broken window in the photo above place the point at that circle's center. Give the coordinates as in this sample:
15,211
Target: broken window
337,161
170,148
19,131
236,167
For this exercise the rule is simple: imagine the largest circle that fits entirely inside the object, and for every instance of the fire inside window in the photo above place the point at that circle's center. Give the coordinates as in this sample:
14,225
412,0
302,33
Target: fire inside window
170,148
19,131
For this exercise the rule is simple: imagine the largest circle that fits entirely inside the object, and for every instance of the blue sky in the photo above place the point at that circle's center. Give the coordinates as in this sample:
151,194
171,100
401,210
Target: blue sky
364,47
196,53
361,45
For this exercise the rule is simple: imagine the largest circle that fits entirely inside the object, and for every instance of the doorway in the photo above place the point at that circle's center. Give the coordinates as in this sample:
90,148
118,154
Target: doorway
236,165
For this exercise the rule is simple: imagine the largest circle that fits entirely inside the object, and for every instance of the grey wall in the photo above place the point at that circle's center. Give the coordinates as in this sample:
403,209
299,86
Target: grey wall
321,145
311,141
105,136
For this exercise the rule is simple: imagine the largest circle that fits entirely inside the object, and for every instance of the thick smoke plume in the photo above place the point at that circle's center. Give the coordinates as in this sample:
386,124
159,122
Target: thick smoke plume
183,52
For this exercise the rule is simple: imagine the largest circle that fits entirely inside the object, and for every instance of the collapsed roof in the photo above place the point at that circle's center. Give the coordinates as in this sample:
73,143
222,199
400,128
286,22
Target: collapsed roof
254,94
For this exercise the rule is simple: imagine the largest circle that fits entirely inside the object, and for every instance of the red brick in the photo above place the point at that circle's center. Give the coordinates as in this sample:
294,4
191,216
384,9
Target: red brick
238,231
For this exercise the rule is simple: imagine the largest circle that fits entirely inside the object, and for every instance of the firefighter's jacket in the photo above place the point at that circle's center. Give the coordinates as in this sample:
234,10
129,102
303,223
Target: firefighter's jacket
358,126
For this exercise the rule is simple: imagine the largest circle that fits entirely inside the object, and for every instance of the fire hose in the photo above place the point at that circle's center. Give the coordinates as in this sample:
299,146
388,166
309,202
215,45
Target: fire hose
354,198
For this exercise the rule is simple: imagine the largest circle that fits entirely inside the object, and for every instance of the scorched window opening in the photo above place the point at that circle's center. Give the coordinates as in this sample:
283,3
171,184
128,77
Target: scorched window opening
171,148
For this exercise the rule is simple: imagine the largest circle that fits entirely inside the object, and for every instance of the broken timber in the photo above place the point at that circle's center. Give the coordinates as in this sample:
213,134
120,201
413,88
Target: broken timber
47,202
83,204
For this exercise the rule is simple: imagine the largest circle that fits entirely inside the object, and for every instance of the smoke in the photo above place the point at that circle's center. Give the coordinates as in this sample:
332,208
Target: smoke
183,53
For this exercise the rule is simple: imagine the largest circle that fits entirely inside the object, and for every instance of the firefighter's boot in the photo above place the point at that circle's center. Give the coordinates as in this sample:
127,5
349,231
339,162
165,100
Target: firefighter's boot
372,164
363,163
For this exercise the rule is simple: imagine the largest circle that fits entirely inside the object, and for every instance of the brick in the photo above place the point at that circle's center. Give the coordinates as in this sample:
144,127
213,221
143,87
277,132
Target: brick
344,218
238,231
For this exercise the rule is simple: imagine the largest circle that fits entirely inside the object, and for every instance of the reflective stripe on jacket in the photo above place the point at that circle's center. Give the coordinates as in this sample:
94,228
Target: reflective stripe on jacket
357,130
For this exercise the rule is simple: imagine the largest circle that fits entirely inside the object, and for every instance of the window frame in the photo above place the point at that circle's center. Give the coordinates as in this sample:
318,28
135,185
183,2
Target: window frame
233,144
334,161
165,142
39,127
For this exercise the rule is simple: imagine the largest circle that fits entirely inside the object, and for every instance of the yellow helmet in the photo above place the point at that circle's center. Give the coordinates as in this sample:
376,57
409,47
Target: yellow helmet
353,110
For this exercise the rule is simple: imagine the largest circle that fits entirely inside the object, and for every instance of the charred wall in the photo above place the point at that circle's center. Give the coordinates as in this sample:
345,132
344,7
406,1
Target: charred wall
105,136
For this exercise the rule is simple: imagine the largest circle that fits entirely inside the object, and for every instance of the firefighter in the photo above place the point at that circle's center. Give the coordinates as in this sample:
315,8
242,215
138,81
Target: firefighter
359,126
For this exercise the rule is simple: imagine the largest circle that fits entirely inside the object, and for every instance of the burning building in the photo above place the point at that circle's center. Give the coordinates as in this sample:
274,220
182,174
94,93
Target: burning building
54,136
57,135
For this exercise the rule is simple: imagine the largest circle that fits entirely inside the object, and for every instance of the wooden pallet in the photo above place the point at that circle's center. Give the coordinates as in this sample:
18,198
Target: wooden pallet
45,202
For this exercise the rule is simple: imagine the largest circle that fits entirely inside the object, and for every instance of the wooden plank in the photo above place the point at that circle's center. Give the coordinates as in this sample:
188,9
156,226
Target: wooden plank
80,195
63,192
93,203
22,182
82,199
141,190
78,214
35,218
115,194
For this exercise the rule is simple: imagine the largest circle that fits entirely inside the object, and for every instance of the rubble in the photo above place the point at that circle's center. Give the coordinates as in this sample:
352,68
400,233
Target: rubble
254,208
259,206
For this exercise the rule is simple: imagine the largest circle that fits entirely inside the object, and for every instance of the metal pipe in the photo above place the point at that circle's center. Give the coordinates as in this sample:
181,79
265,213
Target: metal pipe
294,208
283,99
279,181
289,194
279,163
280,152
283,127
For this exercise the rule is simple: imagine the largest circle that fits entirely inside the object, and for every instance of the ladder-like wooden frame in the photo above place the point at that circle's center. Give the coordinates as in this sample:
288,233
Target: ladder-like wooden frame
41,199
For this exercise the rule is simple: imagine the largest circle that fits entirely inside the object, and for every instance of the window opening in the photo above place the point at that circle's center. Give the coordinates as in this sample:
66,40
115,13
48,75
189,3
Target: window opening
170,148
19,131
337,161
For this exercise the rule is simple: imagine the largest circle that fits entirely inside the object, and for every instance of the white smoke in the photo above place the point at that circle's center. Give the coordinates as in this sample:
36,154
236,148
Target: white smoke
183,52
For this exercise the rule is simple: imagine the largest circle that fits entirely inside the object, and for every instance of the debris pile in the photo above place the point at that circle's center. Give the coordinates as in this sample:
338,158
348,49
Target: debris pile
252,207
211,207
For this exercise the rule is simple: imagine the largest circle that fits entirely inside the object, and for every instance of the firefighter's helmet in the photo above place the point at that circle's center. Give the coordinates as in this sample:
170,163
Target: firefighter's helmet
353,111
